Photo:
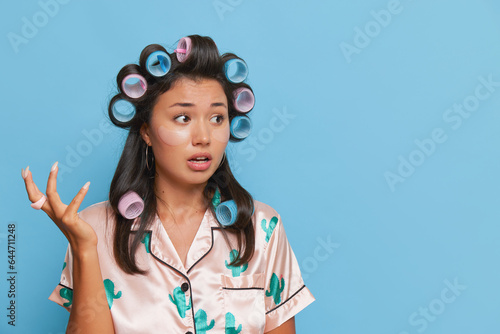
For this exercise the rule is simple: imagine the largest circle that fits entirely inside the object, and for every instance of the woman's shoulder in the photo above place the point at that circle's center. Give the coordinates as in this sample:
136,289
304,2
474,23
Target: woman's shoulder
97,214
264,209
265,220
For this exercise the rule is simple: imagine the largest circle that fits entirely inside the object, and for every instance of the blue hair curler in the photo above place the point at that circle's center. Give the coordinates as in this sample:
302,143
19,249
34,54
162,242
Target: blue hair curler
122,111
226,213
241,127
158,63
236,70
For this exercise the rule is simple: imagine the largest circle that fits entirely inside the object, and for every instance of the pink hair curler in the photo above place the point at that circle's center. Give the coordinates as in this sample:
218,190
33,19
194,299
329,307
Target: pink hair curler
130,205
38,204
134,85
244,100
183,49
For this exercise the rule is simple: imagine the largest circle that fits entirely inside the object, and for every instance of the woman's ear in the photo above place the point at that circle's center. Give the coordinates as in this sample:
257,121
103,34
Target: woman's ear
145,134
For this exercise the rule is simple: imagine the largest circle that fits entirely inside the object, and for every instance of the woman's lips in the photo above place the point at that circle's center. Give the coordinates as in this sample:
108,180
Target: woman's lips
202,155
199,165
200,161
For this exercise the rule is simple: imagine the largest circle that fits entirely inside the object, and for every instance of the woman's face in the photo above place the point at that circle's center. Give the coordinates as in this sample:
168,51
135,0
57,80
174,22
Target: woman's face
191,118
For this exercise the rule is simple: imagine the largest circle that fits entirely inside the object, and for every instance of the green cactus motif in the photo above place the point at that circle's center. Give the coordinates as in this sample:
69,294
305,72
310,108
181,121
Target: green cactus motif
109,287
231,324
201,325
269,230
64,265
216,199
179,300
236,271
275,289
146,240
68,295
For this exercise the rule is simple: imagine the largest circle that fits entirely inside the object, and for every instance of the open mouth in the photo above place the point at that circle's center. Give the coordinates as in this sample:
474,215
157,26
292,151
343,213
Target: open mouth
200,160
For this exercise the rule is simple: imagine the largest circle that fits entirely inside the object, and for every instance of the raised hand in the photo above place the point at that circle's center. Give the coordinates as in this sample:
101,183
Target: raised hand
79,234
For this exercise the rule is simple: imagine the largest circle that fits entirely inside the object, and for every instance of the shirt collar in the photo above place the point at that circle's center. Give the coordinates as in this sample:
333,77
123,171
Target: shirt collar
216,200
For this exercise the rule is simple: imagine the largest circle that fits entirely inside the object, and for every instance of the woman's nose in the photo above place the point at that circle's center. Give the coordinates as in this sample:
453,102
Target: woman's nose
201,133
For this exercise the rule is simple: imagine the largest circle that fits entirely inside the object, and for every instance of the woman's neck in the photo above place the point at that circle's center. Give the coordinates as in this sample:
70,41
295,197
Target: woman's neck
179,201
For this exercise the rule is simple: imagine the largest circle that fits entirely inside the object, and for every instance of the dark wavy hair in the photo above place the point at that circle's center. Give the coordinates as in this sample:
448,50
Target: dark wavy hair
132,173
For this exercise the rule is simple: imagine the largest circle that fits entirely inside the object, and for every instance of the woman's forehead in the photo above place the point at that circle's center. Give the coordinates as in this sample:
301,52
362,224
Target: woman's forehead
197,92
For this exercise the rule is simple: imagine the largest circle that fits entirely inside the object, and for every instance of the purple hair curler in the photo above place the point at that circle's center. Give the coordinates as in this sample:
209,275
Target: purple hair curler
244,100
236,70
134,85
226,213
130,205
241,127
158,63
183,49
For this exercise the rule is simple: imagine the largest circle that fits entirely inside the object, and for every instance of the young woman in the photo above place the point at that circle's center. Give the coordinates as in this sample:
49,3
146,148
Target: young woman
182,266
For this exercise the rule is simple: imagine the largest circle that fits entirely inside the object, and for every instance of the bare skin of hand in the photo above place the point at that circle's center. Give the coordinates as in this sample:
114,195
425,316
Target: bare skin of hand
87,277
79,234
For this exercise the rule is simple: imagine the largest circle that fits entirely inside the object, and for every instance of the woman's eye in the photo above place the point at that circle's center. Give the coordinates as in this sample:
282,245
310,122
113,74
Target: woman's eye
219,118
181,118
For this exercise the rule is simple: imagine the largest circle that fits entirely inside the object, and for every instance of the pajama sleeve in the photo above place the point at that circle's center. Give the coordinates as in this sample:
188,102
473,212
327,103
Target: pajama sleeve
285,294
63,292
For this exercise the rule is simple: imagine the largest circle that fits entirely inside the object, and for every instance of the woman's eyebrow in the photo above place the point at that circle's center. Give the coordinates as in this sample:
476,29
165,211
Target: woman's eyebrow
189,104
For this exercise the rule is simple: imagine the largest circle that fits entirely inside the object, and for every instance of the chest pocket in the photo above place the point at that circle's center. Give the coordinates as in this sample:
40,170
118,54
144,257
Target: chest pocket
244,306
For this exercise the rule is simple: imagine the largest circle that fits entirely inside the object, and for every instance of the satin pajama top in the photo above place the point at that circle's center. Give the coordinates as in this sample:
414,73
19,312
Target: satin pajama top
208,295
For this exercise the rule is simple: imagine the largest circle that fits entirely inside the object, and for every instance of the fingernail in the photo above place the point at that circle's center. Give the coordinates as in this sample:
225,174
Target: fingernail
26,172
54,166
86,185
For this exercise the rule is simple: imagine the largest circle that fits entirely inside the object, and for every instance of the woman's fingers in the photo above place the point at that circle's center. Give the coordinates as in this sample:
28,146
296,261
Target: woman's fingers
58,207
65,216
34,194
72,208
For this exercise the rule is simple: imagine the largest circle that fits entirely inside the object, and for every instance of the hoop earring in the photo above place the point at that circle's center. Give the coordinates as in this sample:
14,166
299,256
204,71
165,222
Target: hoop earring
147,160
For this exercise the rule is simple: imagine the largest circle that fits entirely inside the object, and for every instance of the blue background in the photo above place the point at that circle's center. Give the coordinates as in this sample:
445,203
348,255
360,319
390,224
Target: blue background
353,117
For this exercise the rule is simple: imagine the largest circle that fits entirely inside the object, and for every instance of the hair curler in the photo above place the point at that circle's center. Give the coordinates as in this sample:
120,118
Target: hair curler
244,100
241,127
130,205
122,111
236,70
134,86
183,49
226,213
158,63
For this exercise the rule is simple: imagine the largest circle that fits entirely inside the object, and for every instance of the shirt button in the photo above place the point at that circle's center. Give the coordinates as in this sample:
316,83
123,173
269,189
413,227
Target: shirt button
184,288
